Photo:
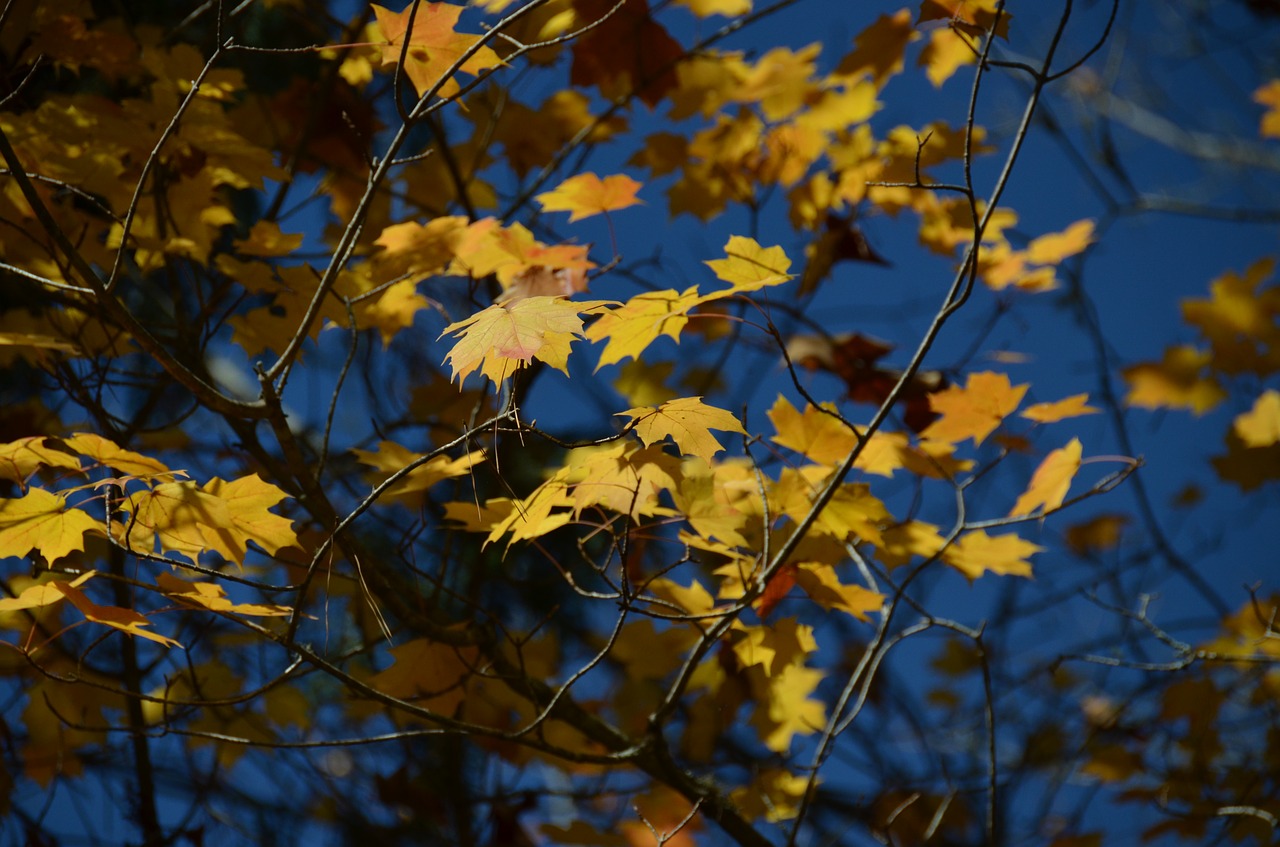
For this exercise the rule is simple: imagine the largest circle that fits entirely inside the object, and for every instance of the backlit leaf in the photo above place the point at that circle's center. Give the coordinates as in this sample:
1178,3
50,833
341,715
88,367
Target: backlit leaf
1260,426
974,411
976,553
750,267
1051,481
125,620
504,337
1068,407
42,594
41,521
211,596
586,194
634,325
688,422
433,45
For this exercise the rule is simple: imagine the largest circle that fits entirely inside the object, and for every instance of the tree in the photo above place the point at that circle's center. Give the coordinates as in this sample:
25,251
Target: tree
353,492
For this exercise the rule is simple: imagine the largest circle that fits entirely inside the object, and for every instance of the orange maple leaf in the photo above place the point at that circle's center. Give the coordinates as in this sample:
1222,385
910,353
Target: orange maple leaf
433,46
879,48
1051,481
125,620
975,410
586,194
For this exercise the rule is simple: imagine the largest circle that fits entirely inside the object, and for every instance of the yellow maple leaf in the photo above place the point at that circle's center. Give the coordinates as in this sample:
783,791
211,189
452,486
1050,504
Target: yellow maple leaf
774,794
1260,426
125,620
1053,248
107,453
248,501
544,510
506,336
821,437
878,48
1051,481
634,325
975,410
898,544
707,8
688,422
586,194
822,584
1269,96
42,594
773,647
975,553
42,522
20,459
173,515
433,45
391,457
1096,534
946,51
1174,383
428,673
210,595
750,267
784,708
1068,407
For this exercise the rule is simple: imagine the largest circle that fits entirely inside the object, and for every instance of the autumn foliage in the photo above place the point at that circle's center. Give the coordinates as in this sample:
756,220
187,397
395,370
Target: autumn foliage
457,425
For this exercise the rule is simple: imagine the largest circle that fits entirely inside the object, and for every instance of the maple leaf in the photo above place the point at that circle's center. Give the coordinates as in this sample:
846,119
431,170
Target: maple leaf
1068,407
823,585
173,515
1051,481
125,620
635,324
433,45
1175,382
428,673
975,553
784,708
209,595
42,522
974,411
42,594
506,336
688,422
248,502
1269,96
820,436
391,457
750,267
1096,534
1052,249
1260,426
105,452
879,48
20,459
707,8
586,194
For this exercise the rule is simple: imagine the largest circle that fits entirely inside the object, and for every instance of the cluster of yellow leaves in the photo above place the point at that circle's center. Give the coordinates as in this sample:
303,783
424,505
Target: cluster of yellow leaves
164,514
1239,326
